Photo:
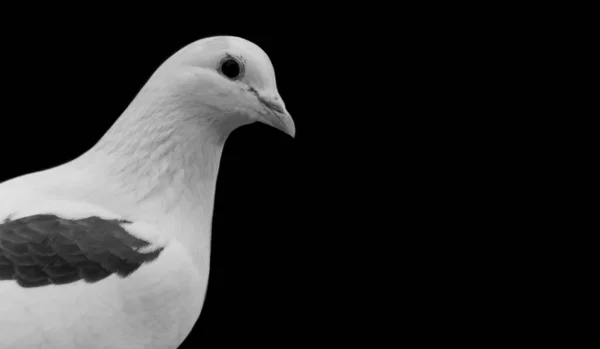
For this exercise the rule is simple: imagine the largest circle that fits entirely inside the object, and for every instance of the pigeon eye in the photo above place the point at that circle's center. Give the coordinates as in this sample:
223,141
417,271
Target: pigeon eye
231,68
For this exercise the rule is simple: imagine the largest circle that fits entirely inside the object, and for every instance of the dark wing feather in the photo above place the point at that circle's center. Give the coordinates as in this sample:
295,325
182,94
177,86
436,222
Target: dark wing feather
46,249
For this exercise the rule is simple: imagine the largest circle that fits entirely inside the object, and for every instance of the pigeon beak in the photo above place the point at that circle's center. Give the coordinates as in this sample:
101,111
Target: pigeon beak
277,116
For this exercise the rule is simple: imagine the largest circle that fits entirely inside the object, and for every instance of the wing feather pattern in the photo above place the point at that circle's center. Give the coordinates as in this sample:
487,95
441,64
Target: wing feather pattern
45,249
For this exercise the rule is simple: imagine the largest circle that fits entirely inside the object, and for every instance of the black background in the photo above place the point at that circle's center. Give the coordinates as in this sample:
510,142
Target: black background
65,88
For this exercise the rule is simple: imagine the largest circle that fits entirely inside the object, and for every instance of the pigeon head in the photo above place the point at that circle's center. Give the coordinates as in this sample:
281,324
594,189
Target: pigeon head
184,113
230,81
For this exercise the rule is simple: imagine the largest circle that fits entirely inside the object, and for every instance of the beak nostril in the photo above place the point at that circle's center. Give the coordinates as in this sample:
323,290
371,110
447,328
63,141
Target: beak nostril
277,107
271,104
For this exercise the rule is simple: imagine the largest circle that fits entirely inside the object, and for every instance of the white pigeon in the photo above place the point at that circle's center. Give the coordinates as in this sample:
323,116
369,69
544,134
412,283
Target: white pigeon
111,250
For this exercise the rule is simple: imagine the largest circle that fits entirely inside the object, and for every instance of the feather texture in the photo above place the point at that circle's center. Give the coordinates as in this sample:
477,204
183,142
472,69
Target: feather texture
45,249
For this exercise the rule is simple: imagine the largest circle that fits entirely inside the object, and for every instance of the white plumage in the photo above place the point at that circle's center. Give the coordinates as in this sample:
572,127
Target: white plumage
153,175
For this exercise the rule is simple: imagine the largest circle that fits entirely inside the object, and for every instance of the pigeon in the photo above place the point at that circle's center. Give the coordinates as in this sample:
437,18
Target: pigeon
112,249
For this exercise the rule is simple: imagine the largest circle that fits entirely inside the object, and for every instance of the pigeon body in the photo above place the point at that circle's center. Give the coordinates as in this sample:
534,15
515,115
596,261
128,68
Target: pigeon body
112,249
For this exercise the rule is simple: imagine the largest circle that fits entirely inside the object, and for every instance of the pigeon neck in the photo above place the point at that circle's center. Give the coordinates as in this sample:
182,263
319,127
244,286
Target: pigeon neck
146,156
165,140
164,163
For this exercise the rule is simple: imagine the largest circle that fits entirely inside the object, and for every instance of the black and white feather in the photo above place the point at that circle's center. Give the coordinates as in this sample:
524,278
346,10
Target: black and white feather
45,249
